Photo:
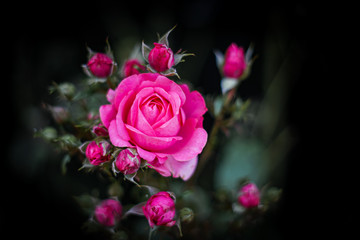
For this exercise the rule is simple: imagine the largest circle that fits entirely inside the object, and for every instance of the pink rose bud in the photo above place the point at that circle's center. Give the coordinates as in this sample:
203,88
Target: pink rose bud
249,196
92,116
101,65
132,66
97,153
160,210
161,58
108,212
128,161
235,64
100,130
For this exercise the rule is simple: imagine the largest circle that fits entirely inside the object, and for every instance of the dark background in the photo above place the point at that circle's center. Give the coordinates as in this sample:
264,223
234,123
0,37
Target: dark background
49,44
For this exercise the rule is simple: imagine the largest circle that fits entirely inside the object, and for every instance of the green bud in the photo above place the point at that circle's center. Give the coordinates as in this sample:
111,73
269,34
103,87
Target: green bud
186,215
67,90
48,133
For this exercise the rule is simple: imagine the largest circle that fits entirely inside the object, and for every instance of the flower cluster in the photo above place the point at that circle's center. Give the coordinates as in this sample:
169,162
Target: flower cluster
140,124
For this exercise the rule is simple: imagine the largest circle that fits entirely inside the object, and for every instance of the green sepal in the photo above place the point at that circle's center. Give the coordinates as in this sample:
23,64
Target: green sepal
164,38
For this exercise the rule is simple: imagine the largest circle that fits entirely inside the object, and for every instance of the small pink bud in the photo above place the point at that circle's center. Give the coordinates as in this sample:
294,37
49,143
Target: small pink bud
160,210
108,212
249,196
101,65
92,116
132,66
235,64
100,130
128,161
161,57
97,153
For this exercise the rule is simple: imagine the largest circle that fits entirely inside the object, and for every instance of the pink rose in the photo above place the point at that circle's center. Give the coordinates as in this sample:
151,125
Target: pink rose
235,63
161,57
100,130
132,67
249,196
97,154
127,162
160,210
108,212
100,65
161,119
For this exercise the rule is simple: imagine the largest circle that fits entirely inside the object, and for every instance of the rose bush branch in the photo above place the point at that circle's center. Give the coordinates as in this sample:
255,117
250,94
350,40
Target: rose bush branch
148,129
235,67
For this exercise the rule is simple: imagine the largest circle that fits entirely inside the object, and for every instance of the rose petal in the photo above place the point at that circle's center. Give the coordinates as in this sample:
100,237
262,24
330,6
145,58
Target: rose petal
110,95
151,142
161,168
168,85
136,117
194,106
194,140
180,168
172,97
117,139
148,156
166,114
107,114
169,128
127,85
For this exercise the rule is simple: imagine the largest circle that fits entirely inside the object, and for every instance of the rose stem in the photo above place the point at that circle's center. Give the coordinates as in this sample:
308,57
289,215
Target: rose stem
209,148
109,83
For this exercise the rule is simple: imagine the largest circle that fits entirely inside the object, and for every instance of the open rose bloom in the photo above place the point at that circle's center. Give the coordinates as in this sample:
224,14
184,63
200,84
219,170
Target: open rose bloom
160,119
140,135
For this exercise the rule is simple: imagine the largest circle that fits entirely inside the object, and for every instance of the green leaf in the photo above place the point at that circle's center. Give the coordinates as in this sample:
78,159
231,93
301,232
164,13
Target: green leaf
170,72
179,57
48,133
219,56
218,104
66,159
87,203
145,50
164,38
131,177
228,84
135,210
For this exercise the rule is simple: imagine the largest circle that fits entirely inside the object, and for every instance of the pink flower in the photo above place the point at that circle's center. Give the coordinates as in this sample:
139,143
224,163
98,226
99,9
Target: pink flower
132,67
161,57
108,212
100,130
161,119
235,63
97,154
128,162
100,65
249,196
160,210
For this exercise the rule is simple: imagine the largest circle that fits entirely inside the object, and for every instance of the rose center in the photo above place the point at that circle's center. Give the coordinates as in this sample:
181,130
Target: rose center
153,108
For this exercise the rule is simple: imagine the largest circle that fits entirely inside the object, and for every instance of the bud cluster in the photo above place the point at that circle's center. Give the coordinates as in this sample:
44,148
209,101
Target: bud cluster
151,128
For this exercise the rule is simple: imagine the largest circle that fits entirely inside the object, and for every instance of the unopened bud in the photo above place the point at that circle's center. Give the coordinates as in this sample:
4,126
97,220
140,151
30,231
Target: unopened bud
186,215
128,161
